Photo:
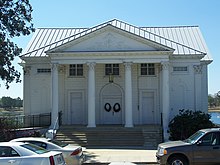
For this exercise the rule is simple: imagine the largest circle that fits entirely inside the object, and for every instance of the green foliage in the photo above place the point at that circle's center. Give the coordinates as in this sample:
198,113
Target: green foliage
15,20
188,122
213,101
8,102
7,129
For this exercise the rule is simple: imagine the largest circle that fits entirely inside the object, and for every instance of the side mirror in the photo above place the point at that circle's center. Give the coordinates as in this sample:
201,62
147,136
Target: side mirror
198,143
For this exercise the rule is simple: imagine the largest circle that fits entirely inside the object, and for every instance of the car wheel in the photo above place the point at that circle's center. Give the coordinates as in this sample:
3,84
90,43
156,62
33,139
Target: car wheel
177,160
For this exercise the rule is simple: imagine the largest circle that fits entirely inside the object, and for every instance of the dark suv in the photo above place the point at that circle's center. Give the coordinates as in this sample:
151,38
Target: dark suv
201,148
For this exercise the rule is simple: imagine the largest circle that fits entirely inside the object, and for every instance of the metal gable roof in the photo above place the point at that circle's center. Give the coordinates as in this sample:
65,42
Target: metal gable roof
185,40
189,36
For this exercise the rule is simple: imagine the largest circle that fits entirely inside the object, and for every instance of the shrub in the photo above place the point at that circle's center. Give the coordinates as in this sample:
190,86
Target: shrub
188,122
7,129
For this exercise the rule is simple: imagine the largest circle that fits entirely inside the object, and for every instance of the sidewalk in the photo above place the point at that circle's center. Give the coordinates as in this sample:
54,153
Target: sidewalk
120,156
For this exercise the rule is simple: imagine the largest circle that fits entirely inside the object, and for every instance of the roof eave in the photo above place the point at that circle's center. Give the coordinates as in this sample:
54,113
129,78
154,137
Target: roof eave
58,53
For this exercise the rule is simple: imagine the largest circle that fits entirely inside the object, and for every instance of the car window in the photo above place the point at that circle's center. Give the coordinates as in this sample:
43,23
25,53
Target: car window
210,139
216,139
34,148
7,152
40,144
59,143
194,137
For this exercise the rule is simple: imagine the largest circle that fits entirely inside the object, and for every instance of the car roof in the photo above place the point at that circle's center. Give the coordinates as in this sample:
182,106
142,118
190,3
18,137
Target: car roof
32,138
210,130
11,143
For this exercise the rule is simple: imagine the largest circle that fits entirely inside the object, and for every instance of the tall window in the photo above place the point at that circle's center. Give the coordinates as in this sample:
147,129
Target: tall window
147,69
112,69
76,69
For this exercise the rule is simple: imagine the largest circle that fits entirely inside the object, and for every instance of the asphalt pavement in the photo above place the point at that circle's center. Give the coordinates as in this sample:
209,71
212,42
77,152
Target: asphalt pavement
120,156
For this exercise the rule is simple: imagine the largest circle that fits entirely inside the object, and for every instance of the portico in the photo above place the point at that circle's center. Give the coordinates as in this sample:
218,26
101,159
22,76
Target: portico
127,103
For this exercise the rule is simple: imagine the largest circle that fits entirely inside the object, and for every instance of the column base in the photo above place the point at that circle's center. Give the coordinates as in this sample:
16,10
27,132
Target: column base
129,125
166,135
91,125
54,126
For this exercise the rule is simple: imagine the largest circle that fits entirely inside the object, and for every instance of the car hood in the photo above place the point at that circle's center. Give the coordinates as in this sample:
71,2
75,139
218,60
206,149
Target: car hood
173,144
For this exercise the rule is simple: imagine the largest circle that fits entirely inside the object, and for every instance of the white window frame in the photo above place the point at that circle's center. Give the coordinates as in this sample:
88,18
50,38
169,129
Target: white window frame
76,68
112,67
148,68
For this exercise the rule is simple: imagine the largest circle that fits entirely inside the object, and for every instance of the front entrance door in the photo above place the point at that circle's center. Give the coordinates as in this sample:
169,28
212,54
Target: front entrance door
112,112
147,108
76,108
111,109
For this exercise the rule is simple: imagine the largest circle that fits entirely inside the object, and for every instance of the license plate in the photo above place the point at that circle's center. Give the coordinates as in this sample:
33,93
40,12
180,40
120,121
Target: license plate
59,159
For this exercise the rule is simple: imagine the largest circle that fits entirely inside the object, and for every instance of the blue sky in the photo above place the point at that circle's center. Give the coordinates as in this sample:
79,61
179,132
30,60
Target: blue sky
87,13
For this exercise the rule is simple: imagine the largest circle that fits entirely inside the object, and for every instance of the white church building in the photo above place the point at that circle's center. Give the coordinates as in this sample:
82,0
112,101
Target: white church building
116,73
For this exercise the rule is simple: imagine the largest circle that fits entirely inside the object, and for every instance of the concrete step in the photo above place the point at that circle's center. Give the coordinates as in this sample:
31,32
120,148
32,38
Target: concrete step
145,136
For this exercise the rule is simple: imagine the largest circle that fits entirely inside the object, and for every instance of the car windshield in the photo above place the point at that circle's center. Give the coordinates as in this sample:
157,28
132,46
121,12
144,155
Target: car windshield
59,143
194,137
34,148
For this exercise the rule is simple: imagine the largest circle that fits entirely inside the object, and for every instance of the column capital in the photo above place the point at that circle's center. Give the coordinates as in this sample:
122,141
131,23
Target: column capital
27,70
165,65
91,65
197,69
128,65
54,66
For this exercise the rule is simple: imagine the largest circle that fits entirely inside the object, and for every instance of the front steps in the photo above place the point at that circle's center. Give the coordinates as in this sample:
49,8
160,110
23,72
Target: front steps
111,136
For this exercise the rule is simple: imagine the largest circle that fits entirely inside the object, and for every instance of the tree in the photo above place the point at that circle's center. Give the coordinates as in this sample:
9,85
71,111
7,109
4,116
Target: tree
18,102
188,122
15,16
213,100
8,102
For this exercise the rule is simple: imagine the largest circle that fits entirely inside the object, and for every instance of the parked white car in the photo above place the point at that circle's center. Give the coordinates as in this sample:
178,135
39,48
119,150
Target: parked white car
72,154
19,153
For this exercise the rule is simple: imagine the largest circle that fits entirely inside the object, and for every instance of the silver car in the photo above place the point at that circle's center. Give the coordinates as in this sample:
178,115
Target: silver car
18,153
72,154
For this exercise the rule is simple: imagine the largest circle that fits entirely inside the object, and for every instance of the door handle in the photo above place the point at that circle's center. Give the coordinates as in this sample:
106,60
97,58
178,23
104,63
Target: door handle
11,161
215,148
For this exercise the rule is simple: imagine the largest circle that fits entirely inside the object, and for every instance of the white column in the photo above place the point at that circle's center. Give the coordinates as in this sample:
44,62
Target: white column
91,95
165,99
198,87
128,96
27,93
54,96
204,82
26,90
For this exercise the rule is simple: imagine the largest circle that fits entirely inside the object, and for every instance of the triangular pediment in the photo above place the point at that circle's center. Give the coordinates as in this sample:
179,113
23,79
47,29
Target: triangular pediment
109,39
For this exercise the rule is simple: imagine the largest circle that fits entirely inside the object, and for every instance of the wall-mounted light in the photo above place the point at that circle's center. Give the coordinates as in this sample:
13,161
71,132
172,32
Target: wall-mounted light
111,78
